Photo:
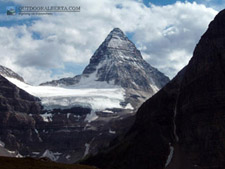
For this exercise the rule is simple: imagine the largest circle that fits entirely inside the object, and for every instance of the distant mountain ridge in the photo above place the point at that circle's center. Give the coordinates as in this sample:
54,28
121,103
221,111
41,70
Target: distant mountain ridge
4,71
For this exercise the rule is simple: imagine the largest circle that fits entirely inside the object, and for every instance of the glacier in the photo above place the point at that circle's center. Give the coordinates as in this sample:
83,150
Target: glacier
53,97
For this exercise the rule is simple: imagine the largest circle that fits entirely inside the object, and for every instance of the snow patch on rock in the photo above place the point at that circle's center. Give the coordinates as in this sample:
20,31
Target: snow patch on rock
2,144
36,153
47,117
68,115
87,147
36,131
19,155
68,157
108,111
155,88
170,156
15,154
112,132
52,156
91,117
129,106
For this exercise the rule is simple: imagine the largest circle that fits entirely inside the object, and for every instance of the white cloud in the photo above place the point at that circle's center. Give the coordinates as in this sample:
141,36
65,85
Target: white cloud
172,33
166,35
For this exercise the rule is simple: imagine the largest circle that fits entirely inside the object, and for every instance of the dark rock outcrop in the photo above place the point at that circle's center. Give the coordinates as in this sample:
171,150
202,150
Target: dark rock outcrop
17,128
14,99
182,126
31,163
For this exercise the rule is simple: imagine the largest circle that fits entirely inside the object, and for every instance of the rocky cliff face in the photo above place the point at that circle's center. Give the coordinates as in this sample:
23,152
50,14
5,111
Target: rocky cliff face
17,128
118,63
4,71
182,126
117,60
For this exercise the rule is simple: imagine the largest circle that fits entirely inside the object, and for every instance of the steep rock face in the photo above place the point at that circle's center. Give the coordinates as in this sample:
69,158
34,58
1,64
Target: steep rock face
4,71
15,99
182,126
118,62
16,126
201,100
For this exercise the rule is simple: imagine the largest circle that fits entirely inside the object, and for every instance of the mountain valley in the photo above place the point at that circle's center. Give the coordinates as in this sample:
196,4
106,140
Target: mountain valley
81,115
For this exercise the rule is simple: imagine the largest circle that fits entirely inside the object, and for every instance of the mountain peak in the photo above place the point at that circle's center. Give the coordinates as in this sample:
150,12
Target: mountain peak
118,62
116,39
117,31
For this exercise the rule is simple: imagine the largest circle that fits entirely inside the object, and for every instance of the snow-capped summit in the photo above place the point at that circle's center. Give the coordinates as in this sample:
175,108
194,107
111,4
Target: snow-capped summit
117,63
6,72
118,40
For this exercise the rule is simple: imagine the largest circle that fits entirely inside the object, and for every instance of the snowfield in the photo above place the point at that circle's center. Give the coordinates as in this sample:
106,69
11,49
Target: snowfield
61,97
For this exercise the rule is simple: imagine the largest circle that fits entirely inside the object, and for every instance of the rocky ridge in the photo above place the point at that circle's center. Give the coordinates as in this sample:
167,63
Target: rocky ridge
17,128
4,71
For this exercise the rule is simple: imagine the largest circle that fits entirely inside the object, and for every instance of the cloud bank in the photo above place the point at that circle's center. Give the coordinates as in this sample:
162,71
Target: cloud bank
39,47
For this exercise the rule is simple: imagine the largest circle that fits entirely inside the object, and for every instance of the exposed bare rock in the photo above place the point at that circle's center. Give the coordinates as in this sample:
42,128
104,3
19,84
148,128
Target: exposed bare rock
16,126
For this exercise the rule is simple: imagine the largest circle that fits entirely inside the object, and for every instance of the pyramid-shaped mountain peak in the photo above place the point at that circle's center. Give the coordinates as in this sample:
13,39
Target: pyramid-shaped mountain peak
116,39
116,47
116,32
118,62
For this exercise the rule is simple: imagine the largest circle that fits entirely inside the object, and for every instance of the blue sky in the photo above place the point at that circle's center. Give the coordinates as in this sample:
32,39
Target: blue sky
43,48
167,2
160,2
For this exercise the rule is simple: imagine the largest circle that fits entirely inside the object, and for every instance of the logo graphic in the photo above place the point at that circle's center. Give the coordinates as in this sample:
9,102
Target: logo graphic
11,10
